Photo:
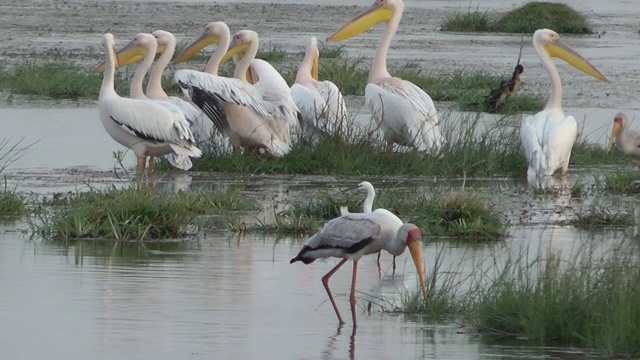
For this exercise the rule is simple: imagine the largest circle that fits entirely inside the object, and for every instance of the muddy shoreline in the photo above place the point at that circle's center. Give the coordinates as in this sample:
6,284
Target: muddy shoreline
33,27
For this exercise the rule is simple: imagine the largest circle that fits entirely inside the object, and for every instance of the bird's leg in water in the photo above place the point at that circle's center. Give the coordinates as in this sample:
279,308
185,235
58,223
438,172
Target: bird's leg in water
352,297
152,162
325,282
378,261
394,265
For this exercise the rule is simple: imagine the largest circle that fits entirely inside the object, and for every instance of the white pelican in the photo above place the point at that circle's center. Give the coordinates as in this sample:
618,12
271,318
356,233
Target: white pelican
320,102
628,141
258,115
548,136
146,127
353,235
143,47
404,112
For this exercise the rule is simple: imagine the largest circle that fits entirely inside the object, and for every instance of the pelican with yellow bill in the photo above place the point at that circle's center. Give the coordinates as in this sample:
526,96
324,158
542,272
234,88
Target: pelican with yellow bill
404,112
548,136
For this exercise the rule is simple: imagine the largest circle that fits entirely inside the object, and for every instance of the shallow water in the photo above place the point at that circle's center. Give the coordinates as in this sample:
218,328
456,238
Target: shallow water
229,296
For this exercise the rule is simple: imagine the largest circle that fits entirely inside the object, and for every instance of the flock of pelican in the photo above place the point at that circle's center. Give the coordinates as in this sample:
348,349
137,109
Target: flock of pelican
257,111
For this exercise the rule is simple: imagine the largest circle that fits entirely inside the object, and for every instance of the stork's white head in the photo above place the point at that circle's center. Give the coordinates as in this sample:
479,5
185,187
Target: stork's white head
410,235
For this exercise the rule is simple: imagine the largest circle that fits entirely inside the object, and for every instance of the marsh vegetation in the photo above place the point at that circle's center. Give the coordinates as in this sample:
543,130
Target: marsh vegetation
525,19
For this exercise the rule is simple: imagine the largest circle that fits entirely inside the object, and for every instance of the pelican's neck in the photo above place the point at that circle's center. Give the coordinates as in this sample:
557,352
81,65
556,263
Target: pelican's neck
368,202
107,87
304,71
555,100
379,68
216,57
154,87
136,85
243,65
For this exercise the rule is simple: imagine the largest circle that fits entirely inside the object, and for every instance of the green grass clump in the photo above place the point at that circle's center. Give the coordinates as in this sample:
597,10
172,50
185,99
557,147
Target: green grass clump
11,203
622,183
55,79
284,224
584,153
349,75
543,15
598,216
470,150
471,21
525,19
587,302
458,214
274,53
129,214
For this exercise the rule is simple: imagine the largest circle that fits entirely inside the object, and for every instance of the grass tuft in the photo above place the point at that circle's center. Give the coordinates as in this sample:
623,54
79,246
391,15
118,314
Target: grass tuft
525,19
129,214
543,15
623,183
471,21
599,216
458,214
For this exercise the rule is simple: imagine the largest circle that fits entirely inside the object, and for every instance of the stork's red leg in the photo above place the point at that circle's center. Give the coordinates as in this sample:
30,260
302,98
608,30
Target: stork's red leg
325,282
140,166
352,297
152,162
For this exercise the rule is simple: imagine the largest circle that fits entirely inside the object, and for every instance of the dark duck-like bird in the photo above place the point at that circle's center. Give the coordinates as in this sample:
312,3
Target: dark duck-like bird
514,83
497,96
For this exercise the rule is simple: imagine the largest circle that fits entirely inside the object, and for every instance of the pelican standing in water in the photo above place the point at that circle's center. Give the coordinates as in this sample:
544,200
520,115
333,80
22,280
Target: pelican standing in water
258,115
320,102
628,141
548,136
146,127
352,236
403,111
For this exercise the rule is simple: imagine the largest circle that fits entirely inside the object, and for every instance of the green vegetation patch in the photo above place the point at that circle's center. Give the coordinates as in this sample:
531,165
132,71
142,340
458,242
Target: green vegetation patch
598,216
525,19
543,15
130,214
460,213
622,183
11,203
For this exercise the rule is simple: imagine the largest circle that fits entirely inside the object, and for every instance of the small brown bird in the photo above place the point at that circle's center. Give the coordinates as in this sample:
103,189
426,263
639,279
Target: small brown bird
496,97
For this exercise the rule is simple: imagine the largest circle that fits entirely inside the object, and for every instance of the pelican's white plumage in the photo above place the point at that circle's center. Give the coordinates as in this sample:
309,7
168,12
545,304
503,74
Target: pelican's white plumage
320,102
147,128
404,113
259,115
548,136
145,46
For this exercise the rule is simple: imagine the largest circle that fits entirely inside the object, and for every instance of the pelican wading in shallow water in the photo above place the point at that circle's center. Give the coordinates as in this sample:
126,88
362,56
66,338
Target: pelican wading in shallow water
143,47
548,136
404,112
352,236
258,115
628,141
320,102
146,127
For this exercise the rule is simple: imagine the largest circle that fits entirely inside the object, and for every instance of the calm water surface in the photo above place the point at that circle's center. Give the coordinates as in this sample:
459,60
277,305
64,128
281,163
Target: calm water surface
229,296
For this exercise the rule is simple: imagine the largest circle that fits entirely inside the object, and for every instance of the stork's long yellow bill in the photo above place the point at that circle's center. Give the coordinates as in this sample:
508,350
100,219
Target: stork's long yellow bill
414,249
561,50
130,54
203,41
362,22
